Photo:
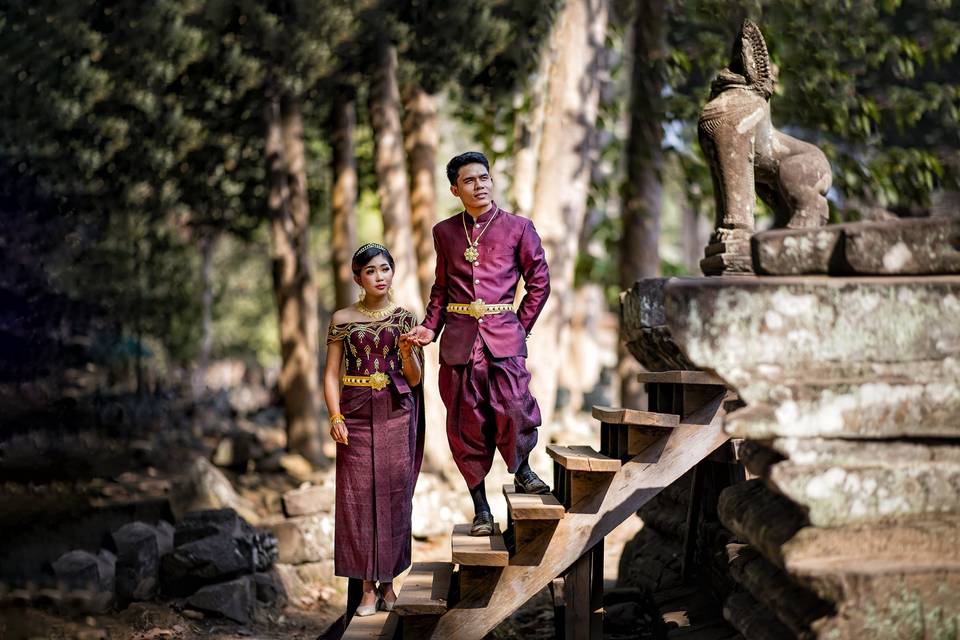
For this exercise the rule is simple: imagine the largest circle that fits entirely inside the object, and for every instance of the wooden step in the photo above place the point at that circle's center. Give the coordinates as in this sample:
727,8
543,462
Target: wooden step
625,433
582,458
681,377
483,551
426,589
532,506
533,519
634,418
579,472
380,626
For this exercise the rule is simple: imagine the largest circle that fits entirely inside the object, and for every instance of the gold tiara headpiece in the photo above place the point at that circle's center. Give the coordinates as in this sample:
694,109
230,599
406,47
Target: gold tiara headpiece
368,246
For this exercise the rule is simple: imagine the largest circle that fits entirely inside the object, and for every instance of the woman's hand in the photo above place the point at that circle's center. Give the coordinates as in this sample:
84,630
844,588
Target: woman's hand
406,346
338,430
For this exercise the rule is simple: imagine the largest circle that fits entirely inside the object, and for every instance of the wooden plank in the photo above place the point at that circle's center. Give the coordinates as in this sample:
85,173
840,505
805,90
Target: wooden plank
582,458
620,415
426,589
632,486
532,506
576,594
596,592
484,551
380,626
680,377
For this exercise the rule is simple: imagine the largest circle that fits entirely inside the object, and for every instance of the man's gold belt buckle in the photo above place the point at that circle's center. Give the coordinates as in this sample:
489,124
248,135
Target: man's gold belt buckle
477,308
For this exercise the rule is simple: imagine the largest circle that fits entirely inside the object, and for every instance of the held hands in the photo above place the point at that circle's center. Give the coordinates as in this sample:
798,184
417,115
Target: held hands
419,336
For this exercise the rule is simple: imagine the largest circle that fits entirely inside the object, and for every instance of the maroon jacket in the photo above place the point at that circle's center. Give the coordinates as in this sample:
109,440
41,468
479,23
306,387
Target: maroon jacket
509,248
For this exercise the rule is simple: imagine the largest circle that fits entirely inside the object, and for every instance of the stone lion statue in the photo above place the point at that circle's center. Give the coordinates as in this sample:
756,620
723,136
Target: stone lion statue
749,157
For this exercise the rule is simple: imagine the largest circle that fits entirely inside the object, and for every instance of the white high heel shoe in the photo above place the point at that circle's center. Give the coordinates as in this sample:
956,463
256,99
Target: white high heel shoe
369,609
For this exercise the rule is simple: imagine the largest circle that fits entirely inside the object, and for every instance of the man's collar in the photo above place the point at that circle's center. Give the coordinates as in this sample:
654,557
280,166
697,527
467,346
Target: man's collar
484,217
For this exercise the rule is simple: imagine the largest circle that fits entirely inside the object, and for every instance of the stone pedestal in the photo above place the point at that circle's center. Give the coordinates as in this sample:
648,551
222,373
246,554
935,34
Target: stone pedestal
852,422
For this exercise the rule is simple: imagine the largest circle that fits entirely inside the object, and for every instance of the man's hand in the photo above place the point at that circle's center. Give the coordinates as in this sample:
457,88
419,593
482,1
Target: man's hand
419,335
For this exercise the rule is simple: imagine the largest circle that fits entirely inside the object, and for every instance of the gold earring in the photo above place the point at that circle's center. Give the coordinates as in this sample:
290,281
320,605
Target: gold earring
363,294
390,294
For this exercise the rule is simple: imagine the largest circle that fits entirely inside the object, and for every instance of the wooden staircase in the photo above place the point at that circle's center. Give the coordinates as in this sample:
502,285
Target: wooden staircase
557,540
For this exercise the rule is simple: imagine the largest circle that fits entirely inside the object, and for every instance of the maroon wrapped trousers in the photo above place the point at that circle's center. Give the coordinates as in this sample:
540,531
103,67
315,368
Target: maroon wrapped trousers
489,408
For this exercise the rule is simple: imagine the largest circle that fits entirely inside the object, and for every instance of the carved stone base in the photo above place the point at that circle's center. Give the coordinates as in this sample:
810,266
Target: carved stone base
727,259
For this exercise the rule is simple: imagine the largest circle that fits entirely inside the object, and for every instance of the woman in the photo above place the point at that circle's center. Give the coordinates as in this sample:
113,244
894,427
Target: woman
376,419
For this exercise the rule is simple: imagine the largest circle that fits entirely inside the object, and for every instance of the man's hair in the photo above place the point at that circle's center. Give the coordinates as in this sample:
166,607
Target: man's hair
462,160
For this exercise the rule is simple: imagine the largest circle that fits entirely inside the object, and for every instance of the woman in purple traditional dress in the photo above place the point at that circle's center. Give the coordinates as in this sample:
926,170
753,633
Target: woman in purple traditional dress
376,418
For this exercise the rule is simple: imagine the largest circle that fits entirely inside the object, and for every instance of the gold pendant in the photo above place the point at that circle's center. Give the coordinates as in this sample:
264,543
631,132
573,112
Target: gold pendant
471,253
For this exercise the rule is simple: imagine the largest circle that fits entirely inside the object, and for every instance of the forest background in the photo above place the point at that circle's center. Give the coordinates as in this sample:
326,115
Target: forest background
183,182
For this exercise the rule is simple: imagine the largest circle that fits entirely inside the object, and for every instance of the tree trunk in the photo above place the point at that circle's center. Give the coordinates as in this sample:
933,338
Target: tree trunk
642,188
208,244
294,290
527,137
392,186
343,232
565,156
420,138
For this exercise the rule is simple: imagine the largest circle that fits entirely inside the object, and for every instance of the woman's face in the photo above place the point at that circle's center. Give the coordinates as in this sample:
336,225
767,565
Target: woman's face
376,277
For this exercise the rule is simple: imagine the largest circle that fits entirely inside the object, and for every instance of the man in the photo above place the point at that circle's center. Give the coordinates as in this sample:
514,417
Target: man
481,254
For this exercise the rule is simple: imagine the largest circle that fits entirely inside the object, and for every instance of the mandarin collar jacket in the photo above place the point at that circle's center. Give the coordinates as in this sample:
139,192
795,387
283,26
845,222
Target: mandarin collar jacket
509,248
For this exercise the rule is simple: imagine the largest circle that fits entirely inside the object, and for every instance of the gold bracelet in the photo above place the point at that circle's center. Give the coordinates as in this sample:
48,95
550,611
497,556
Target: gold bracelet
337,417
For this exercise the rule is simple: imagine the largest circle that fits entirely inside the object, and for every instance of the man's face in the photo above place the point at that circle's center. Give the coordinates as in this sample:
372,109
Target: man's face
474,186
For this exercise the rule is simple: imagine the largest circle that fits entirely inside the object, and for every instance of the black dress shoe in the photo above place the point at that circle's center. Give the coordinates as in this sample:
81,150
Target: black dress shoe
527,481
482,524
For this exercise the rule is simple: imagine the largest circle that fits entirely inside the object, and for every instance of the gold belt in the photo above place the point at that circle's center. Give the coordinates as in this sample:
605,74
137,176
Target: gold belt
478,308
377,381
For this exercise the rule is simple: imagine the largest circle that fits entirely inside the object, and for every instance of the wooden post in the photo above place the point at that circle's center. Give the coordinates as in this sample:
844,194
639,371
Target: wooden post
693,522
576,597
583,597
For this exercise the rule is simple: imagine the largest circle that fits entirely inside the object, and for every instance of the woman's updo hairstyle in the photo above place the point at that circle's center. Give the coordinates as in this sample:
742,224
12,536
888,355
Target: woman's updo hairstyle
368,252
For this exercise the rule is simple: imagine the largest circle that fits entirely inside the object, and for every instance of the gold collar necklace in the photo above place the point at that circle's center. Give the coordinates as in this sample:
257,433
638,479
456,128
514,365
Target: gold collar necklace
472,253
376,314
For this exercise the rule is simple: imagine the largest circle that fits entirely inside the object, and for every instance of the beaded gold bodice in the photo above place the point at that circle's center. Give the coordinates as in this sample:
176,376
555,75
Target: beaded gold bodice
374,345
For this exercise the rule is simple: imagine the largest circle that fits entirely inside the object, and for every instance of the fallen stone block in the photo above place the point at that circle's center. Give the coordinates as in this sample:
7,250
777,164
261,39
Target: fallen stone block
309,500
270,590
138,561
304,538
80,571
234,600
206,487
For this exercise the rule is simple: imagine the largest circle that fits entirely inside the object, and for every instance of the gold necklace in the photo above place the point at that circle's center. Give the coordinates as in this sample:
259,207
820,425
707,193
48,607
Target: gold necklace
376,314
472,254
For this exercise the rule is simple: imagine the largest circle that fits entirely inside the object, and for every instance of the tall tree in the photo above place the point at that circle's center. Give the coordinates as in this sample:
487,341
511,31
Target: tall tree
642,198
293,284
421,140
393,187
565,159
343,226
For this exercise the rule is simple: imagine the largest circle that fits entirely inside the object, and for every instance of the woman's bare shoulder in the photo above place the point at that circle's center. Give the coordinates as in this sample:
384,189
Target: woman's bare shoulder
346,315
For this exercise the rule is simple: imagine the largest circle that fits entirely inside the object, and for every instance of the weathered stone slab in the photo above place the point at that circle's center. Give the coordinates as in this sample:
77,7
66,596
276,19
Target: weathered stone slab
894,607
796,251
643,327
761,517
913,545
304,538
309,500
753,620
841,357
915,246
847,486
794,606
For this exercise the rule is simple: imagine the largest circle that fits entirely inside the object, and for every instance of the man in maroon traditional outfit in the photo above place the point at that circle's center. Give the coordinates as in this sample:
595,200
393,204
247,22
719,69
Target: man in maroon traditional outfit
482,252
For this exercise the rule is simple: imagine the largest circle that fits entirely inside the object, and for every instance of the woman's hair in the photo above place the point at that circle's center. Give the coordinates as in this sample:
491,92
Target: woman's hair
368,252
